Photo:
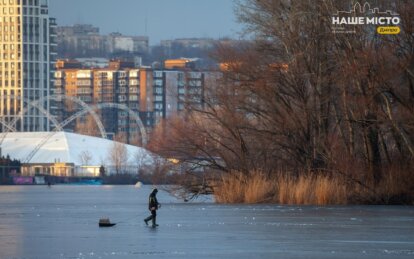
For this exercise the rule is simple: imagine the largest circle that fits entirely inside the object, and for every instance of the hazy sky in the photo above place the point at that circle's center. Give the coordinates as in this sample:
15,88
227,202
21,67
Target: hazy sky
158,19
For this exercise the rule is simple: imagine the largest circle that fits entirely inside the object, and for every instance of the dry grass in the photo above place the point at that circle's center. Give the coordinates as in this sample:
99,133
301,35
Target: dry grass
315,190
257,188
239,188
396,187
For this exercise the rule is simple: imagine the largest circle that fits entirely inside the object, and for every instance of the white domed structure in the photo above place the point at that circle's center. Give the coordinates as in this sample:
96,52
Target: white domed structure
69,154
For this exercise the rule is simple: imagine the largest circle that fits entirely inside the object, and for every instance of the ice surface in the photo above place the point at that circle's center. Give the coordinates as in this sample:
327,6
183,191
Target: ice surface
62,222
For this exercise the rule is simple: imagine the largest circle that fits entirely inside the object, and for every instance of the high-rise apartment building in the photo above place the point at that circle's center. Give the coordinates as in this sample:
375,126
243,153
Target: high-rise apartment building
153,94
117,84
27,39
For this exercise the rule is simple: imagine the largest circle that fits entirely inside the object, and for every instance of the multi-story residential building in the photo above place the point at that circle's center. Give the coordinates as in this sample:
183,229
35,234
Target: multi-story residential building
119,83
179,89
174,90
152,94
27,42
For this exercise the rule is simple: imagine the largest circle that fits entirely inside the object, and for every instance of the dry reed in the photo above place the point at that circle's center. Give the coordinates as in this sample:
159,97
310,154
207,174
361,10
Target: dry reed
257,188
396,187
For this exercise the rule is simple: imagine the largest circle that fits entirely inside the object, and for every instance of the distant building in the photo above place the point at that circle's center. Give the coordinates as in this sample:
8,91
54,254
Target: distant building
77,29
83,40
134,44
194,48
202,43
154,94
94,62
117,83
180,63
27,50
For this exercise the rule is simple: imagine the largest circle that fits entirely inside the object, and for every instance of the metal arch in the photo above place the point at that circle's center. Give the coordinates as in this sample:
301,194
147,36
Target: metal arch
86,107
11,126
133,114
42,142
7,125
84,111
35,104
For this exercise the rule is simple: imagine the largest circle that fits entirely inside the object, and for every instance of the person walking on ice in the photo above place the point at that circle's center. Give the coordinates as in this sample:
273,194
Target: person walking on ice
153,206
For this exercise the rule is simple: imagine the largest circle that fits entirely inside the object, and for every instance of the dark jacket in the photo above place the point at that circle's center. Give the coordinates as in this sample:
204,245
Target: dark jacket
153,202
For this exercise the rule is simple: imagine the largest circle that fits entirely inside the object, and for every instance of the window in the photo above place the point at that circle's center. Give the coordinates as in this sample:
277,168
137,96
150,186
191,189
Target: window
158,98
158,82
158,106
158,90
133,82
133,98
157,73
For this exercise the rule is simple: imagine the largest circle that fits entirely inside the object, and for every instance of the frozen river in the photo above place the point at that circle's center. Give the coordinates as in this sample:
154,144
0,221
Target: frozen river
62,222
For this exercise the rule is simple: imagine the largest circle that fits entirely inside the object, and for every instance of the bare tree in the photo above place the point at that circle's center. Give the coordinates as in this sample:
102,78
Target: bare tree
142,160
118,155
302,99
85,157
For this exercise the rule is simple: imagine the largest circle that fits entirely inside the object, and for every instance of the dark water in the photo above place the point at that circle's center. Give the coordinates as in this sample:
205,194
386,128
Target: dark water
62,222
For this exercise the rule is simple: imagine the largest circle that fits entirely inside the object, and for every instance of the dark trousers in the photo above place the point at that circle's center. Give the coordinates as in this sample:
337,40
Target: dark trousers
153,217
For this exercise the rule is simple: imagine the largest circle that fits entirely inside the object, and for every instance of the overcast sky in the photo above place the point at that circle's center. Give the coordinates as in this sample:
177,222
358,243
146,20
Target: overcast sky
158,19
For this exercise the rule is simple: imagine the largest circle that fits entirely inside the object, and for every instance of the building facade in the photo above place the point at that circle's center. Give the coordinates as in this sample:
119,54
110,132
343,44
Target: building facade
27,50
153,94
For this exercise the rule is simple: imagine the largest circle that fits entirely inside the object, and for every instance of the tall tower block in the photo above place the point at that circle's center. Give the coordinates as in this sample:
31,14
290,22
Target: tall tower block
25,62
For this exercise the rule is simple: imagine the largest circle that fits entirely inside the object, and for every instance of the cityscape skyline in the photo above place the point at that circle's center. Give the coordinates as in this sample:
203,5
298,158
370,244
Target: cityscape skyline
157,19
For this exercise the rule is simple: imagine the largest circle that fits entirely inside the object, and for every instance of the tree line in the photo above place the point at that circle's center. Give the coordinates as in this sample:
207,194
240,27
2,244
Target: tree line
299,99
